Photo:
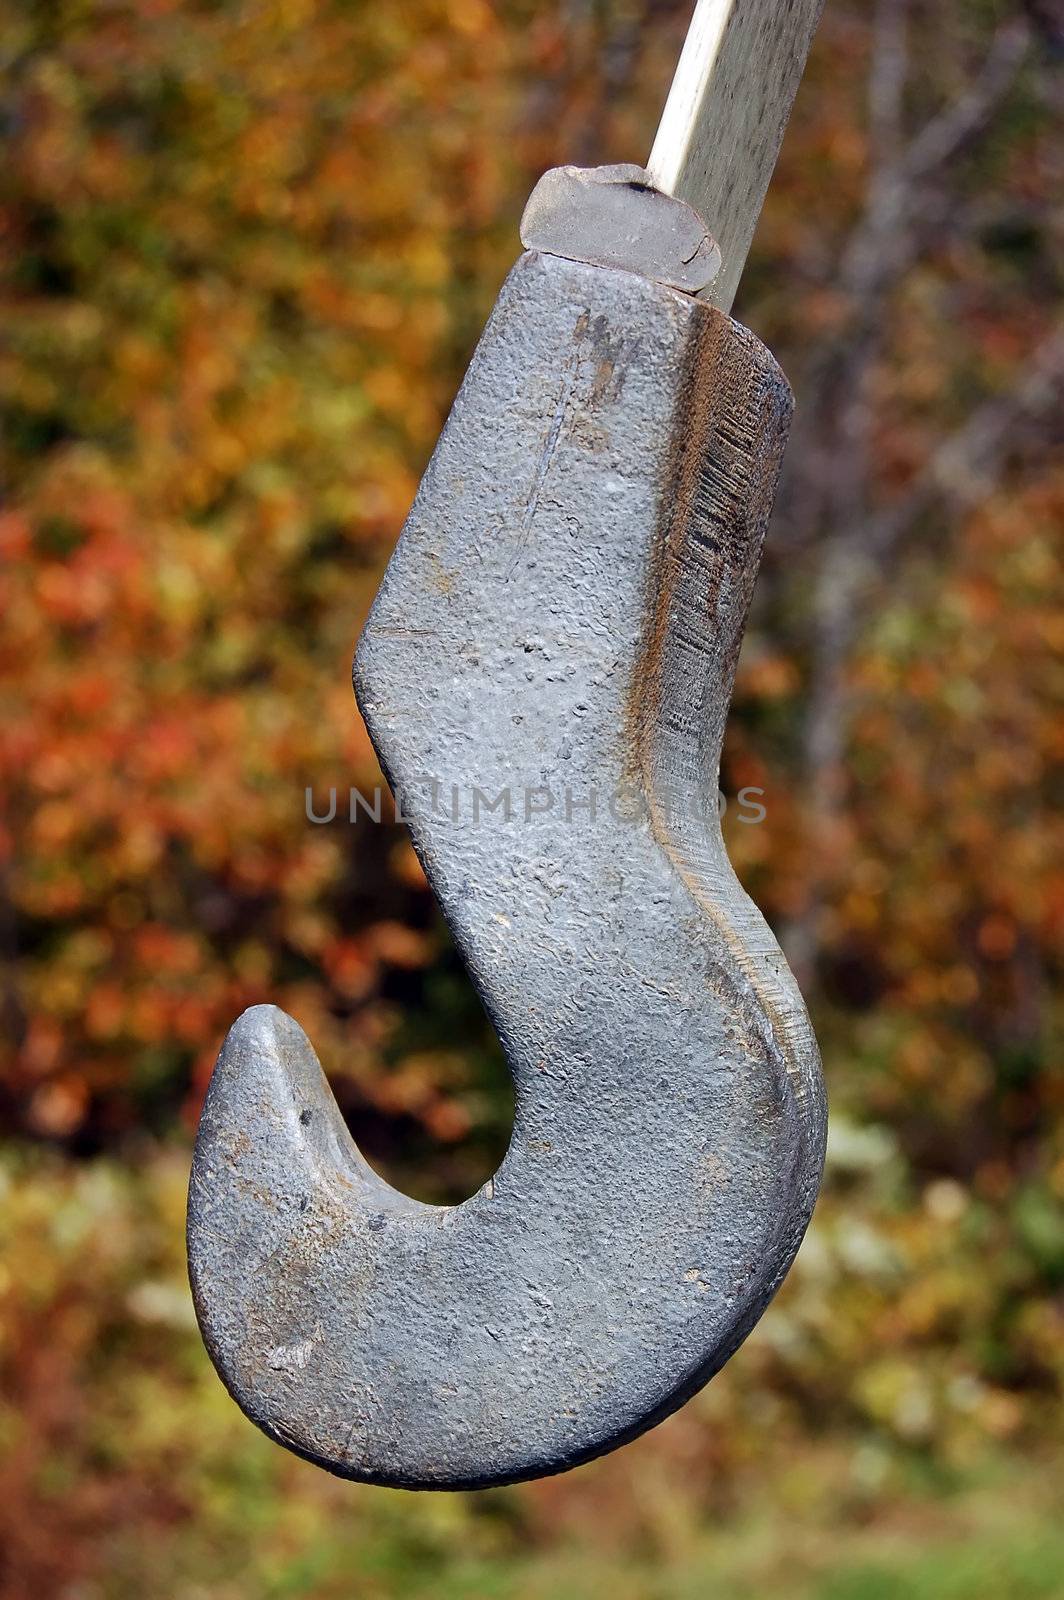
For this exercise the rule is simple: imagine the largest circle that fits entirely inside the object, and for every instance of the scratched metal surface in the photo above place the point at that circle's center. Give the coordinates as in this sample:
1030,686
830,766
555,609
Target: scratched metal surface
562,613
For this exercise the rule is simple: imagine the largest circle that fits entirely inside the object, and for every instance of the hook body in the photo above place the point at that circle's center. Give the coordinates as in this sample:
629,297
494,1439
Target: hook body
559,623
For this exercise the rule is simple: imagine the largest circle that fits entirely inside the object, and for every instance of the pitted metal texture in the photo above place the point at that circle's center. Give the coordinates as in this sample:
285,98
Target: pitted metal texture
559,623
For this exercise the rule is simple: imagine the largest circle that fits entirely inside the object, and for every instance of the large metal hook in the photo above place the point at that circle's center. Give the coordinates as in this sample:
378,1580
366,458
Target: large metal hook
558,627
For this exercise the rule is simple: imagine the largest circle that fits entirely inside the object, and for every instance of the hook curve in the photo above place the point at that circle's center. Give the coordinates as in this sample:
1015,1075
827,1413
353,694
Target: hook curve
561,617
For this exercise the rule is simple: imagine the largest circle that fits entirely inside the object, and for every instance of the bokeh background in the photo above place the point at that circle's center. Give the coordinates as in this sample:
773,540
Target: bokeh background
247,246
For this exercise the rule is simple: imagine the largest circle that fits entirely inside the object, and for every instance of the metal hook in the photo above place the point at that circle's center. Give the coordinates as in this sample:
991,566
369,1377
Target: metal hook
559,627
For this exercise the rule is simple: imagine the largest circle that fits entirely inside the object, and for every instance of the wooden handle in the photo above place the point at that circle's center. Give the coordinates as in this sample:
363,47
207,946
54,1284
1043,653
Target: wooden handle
722,126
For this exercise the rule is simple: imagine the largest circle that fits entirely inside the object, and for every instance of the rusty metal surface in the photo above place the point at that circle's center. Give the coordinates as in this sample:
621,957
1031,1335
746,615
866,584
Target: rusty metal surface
561,617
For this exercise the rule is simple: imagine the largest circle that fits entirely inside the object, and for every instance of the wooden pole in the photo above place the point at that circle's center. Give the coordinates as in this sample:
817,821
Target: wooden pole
722,126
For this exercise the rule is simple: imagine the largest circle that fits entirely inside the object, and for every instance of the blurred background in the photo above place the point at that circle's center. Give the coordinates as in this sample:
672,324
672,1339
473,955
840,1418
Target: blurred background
247,247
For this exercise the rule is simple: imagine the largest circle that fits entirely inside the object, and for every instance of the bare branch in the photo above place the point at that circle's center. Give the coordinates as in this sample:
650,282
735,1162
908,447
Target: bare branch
885,243
946,135
886,80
